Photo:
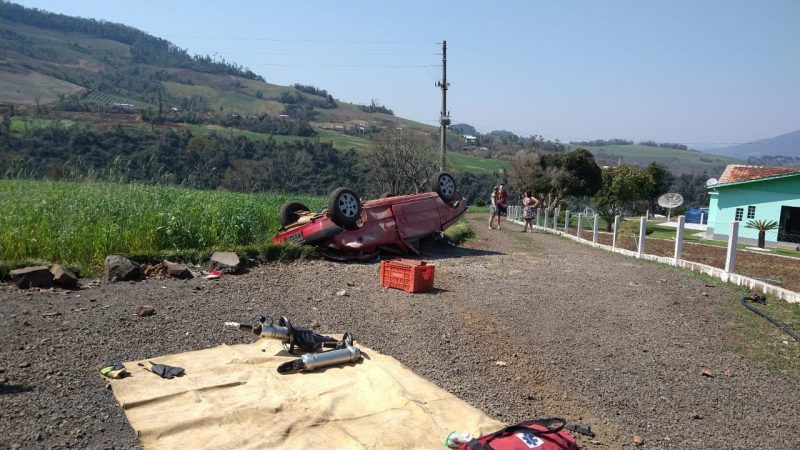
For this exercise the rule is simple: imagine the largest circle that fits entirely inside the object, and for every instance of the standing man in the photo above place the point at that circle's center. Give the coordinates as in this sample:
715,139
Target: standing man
502,209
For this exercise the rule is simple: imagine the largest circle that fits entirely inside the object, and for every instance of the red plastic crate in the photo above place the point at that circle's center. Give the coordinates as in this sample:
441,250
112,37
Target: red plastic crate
407,274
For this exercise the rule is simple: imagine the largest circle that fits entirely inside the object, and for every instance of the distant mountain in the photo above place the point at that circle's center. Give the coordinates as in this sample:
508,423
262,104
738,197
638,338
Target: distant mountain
784,145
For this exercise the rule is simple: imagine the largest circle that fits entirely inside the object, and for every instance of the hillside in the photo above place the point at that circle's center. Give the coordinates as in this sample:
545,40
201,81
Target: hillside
56,60
676,161
787,144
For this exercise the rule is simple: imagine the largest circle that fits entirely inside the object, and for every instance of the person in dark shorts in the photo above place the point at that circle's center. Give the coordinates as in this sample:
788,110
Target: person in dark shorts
501,197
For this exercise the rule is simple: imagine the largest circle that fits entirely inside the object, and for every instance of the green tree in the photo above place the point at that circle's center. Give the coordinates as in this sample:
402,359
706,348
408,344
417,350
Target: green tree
622,185
551,177
662,179
401,160
762,226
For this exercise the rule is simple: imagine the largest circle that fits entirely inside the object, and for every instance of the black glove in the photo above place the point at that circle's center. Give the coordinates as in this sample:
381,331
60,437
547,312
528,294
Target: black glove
163,370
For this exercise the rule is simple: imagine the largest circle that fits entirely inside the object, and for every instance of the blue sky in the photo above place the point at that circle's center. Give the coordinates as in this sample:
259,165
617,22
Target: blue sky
698,72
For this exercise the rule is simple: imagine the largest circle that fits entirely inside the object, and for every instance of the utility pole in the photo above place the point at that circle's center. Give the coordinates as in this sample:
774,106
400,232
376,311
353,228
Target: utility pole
444,117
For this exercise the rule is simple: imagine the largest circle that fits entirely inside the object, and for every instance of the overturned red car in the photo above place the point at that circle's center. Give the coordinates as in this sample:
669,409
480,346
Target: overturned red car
349,229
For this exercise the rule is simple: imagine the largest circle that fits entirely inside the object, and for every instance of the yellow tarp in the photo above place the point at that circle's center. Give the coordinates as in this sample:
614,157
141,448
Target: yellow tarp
232,397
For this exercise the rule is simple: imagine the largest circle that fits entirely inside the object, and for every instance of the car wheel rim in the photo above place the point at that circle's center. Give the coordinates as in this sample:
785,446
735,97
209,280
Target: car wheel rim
348,205
447,186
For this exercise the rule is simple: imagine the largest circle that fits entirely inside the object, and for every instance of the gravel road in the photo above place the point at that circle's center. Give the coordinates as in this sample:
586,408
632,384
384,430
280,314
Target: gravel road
583,333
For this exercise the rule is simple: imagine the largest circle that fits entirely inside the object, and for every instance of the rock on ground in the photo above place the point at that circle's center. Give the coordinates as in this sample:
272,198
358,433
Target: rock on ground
120,268
226,262
63,276
176,270
35,276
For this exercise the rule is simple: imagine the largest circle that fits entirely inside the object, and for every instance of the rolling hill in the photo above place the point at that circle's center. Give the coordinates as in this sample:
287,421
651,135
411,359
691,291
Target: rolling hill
787,144
80,70
676,161
49,58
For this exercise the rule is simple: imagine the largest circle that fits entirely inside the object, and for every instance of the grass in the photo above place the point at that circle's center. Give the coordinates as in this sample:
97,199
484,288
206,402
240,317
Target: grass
762,341
472,164
460,232
79,224
661,232
677,161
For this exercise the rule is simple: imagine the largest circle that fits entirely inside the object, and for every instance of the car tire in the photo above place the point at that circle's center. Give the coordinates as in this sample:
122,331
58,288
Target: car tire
445,185
344,208
289,212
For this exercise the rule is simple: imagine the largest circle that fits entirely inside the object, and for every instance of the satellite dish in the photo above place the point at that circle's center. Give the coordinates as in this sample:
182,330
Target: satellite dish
669,201
711,181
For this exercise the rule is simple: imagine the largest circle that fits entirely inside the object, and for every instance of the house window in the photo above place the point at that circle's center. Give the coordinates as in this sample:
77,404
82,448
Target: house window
739,214
751,212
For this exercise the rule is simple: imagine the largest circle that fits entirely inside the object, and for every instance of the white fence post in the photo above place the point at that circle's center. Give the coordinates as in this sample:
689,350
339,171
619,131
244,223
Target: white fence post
538,210
555,218
546,213
702,216
616,232
580,225
566,221
733,237
647,215
679,238
642,234
594,228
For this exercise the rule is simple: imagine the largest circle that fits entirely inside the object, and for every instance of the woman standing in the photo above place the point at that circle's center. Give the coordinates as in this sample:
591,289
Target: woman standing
494,211
529,202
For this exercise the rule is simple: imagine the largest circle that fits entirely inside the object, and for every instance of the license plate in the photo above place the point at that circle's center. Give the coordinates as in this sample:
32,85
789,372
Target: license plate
295,237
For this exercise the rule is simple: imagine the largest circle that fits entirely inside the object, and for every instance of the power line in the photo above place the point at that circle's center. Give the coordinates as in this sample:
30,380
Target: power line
347,65
313,41
319,54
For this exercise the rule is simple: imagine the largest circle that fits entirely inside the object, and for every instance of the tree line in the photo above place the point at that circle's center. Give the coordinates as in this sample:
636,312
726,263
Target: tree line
145,49
176,157
572,177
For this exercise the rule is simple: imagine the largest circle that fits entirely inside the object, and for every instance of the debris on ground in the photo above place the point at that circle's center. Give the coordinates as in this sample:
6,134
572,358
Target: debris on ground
500,363
34,276
342,293
158,270
638,440
63,276
214,274
226,262
144,310
707,373
120,268
177,270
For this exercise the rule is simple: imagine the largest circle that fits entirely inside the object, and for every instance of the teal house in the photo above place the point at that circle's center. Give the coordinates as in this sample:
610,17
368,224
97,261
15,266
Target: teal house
745,193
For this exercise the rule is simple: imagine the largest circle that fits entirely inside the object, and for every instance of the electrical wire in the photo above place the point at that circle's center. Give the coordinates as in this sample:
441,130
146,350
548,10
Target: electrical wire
312,41
761,299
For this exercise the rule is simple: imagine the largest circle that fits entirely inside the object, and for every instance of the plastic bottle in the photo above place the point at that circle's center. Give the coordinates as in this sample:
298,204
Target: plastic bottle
455,439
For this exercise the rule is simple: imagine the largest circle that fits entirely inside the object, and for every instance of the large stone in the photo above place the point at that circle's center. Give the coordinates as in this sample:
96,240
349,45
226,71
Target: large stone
226,262
35,276
120,268
63,276
177,270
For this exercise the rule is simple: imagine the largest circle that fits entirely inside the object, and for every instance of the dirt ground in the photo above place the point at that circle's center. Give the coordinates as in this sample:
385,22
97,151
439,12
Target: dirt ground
749,263
585,334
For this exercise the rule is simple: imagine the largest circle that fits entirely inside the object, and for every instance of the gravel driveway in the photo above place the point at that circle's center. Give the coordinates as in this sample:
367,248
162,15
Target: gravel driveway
583,333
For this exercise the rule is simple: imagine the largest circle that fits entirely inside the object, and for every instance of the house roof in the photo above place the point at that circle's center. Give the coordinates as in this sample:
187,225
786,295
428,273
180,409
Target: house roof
736,173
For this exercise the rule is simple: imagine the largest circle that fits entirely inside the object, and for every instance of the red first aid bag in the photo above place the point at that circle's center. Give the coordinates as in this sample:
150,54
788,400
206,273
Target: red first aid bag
539,434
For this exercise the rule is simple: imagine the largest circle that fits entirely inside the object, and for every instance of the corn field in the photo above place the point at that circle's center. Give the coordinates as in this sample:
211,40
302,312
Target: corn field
79,223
